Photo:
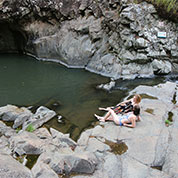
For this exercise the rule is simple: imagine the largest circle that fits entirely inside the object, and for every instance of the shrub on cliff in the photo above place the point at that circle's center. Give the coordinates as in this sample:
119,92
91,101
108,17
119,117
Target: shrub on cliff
166,8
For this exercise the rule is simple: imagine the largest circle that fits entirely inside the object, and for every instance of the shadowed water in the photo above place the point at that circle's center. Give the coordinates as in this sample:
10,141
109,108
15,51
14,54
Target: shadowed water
72,93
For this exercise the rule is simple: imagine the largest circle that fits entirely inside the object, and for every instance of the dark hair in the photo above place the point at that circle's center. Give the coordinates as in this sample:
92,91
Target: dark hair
136,110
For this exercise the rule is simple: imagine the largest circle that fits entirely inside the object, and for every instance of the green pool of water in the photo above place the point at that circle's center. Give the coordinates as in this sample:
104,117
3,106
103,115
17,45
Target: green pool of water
72,93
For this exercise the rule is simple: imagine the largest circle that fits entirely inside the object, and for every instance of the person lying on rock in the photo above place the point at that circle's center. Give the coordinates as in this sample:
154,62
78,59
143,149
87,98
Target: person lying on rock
125,106
129,119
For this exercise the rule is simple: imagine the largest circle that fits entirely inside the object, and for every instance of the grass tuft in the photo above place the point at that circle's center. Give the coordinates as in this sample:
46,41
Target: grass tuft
30,128
167,9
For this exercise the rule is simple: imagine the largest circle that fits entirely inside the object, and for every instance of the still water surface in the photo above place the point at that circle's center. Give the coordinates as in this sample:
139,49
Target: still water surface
72,93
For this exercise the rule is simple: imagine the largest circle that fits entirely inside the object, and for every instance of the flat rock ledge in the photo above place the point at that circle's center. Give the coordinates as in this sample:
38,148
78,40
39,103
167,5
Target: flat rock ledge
107,150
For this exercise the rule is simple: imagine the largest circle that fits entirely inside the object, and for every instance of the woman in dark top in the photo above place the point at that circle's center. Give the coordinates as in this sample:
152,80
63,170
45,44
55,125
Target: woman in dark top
123,107
129,119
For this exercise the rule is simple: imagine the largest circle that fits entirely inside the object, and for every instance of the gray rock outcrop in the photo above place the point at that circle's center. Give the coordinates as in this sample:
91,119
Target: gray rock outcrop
9,167
107,150
149,147
112,38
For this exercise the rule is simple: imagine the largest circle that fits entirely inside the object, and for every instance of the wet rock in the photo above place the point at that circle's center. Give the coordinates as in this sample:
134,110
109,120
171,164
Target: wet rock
107,86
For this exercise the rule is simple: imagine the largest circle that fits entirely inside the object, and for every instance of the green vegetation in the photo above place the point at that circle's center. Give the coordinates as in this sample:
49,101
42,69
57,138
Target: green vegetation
169,120
18,129
166,8
30,128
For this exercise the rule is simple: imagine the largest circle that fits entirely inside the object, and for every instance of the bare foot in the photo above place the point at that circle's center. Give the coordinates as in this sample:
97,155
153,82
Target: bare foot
102,120
98,117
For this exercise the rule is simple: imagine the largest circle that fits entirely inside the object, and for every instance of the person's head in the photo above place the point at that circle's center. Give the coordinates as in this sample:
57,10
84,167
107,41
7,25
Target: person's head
137,98
136,109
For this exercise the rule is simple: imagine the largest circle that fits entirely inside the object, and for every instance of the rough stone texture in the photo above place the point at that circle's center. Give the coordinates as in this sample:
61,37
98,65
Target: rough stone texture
150,144
4,146
16,114
43,171
161,67
13,113
9,167
112,38
5,130
26,143
42,115
59,138
67,163
107,86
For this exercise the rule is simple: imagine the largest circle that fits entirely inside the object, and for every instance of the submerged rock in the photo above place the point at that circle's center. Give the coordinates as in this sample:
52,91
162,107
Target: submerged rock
107,86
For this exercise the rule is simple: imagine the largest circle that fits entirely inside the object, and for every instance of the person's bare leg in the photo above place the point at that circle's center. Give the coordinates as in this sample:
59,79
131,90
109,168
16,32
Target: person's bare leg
109,118
114,117
104,117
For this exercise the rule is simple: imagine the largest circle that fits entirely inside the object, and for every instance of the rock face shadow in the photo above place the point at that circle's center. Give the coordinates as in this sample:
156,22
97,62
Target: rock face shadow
157,167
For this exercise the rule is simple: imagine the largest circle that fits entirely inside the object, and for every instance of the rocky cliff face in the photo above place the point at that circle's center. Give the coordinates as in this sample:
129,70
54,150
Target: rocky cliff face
113,38
107,150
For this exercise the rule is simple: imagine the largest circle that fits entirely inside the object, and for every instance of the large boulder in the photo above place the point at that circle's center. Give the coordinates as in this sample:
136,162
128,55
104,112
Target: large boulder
14,113
26,143
9,167
6,131
123,148
161,67
63,162
42,115
62,139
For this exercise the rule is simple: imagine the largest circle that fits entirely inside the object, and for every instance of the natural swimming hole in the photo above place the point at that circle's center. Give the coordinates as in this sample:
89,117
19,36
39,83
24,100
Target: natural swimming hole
72,93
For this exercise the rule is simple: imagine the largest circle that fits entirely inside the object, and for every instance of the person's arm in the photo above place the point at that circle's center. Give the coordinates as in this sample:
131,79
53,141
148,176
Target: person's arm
133,123
126,101
104,109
